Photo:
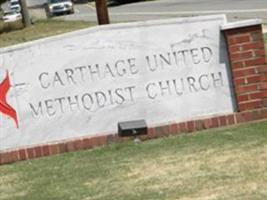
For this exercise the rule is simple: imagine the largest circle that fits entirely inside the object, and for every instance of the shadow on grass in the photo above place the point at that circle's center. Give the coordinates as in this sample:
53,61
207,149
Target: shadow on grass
10,26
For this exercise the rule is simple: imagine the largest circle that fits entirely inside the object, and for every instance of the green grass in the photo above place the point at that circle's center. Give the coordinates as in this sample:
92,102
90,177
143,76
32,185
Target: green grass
12,33
219,164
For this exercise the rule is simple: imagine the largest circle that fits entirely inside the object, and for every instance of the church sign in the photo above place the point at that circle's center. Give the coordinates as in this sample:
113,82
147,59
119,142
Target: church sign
84,83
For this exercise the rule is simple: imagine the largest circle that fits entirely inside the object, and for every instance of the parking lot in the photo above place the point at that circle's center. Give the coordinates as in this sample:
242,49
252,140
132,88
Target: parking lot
161,9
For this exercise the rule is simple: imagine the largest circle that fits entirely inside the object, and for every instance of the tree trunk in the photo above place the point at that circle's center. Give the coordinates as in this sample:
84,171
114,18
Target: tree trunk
25,13
102,12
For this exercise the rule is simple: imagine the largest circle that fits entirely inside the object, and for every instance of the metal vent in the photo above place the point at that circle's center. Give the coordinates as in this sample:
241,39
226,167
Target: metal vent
132,128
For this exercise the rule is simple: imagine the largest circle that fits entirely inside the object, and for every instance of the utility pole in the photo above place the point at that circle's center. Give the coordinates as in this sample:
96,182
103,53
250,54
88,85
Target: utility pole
102,12
25,13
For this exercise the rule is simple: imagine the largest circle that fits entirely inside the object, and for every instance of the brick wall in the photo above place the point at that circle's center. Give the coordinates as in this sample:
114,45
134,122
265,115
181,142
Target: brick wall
153,132
248,64
249,74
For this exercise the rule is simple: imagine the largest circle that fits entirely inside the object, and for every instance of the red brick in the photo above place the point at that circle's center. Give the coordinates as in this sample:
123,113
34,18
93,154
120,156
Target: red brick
230,119
70,146
256,95
254,79
256,61
243,30
231,41
179,128
263,78
241,98
254,28
78,144
222,121
264,113
238,118
234,49
247,116
30,152
256,36
207,123
38,151
199,125
256,114
22,154
162,130
214,122
53,149
261,68
264,102
173,128
1,158
190,126
250,105
94,141
166,129
252,46
158,131
243,72
237,39
246,89
102,140
151,133
237,64
264,93
241,56
243,38
15,155
263,86
62,147
259,52
182,126
9,157
45,150
239,81
87,143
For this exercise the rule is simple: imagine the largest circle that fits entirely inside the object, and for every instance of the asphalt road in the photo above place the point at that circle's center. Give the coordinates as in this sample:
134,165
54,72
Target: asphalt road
160,9
234,9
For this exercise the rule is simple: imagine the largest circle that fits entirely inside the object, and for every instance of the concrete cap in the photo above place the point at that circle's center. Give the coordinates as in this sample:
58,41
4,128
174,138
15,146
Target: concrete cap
241,24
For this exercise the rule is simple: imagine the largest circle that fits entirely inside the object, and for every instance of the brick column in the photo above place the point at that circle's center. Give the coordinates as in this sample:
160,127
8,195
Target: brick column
246,50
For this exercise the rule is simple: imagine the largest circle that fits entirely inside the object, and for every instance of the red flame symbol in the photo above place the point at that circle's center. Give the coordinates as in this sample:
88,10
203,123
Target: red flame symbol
5,108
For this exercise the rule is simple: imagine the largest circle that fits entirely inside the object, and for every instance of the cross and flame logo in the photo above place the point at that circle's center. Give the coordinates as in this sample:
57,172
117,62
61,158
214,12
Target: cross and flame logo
5,108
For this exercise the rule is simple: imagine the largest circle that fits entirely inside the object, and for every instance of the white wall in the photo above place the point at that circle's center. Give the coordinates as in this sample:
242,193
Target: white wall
85,82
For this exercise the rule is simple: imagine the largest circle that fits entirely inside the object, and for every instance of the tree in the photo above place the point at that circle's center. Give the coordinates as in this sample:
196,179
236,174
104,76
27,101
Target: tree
102,12
25,13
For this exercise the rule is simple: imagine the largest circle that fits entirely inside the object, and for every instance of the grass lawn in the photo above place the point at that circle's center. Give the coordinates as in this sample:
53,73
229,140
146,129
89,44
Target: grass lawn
218,164
40,29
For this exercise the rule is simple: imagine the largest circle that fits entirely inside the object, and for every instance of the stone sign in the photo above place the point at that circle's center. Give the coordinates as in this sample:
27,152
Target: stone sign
85,82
